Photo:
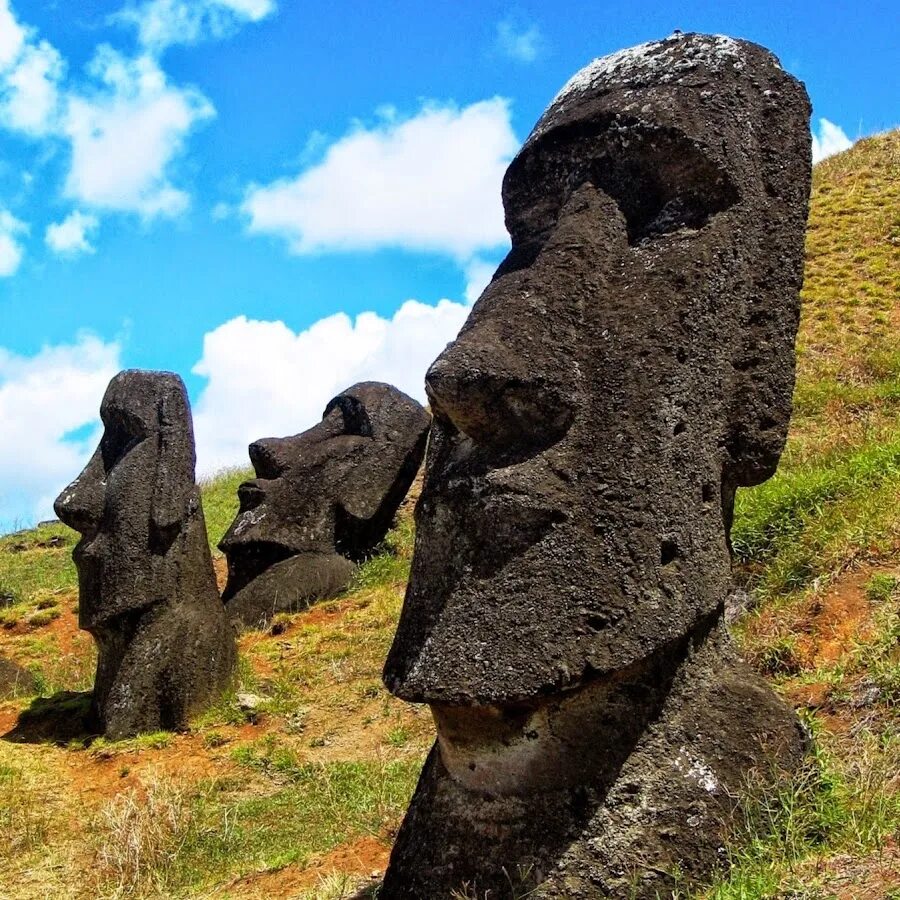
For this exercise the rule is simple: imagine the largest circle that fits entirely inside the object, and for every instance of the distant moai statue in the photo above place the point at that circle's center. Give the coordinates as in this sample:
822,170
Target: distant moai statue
146,581
321,501
628,368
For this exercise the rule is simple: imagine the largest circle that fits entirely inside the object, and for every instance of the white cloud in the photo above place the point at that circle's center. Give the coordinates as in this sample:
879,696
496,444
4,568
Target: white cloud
30,72
126,124
71,237
29,93
266,380
43,398
522,44
831,139
12,36
162,23
479,273
428,183
11,250
127,134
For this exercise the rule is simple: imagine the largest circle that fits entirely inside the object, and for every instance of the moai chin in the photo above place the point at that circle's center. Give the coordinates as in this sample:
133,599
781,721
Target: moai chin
147,589
321,501
628,368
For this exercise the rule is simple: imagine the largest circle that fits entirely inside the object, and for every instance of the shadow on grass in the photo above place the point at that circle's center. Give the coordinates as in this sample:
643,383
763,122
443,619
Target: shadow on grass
59,719
14,680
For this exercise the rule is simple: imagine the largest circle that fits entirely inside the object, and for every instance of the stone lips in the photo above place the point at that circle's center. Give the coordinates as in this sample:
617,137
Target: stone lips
642,772
630,365
147,589
322,501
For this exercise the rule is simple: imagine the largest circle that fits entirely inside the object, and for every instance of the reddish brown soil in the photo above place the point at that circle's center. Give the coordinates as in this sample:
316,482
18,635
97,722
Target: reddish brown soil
220,564
834,620
98,775
359,860
825,625
64,629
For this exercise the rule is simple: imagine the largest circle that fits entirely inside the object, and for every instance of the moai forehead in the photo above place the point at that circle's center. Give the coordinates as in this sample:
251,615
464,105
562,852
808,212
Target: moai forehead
631,363
332,488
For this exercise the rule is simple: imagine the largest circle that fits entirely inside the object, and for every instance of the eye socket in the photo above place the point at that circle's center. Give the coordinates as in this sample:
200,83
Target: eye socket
356,418
120,436
660,179
662,183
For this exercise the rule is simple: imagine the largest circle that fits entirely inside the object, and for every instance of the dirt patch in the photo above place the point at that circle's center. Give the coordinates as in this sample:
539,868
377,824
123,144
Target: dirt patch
220,565
823,626
70,639
101,774
359,860
9,715
874,877
834,620
322,614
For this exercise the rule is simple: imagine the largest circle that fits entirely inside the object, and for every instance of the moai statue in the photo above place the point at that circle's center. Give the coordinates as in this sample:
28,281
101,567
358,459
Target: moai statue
321,502
145,576
630,365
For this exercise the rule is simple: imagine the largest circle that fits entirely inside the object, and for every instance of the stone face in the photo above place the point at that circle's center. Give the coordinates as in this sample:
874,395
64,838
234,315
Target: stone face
147,589
628,368
322,501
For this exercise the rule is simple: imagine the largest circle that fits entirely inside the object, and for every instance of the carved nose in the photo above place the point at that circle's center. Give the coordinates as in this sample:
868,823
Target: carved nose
269,457
80,505
495,398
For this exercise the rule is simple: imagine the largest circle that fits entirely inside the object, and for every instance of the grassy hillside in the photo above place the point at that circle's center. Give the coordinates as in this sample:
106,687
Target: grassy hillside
296,789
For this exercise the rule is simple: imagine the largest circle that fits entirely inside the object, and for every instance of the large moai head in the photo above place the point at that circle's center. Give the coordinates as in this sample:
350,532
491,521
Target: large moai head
630,365
146,583
322,500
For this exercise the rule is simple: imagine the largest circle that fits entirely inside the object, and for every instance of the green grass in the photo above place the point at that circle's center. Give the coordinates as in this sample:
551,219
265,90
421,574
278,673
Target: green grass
220,501
816,517
34,566
827,809
168,839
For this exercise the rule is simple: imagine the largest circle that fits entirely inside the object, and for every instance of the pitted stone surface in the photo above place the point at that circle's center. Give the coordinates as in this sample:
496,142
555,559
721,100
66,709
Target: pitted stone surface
147,589
628,368
322,501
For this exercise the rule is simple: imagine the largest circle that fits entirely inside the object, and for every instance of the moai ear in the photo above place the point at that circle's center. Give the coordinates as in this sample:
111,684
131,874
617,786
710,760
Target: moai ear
174,476
764,363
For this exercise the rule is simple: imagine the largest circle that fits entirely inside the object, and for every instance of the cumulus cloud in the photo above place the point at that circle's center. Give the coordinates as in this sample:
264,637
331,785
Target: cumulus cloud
30,72
12,36
264,379
127,133
29,90
71,237
125,123
520,43
426,183
162,23
831,139
11,249
43,399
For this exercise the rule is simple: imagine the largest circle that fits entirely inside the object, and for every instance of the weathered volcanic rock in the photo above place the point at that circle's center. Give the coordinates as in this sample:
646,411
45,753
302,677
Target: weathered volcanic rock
322,500
628,368
146,581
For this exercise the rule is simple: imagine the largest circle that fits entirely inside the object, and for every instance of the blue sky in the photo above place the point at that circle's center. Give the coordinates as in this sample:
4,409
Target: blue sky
276,198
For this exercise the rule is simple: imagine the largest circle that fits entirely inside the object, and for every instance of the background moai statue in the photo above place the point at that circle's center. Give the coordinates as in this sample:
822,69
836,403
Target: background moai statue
630,365
147,589
322,501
